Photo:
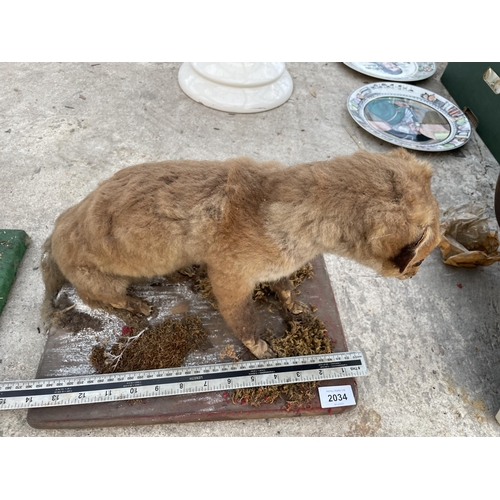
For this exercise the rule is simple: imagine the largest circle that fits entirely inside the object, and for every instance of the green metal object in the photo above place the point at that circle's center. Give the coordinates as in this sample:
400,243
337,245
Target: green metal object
13,244
474,87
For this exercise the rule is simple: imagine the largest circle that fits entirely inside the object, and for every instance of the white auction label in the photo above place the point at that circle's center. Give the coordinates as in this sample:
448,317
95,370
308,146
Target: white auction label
337,395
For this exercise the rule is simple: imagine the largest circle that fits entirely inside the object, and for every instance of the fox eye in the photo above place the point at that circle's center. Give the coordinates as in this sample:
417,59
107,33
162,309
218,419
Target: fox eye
417,263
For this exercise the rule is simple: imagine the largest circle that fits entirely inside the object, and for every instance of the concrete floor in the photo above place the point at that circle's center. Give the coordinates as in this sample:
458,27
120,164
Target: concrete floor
431,344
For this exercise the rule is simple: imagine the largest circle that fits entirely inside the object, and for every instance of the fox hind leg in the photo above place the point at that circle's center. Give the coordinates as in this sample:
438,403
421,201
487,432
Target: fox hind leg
93,287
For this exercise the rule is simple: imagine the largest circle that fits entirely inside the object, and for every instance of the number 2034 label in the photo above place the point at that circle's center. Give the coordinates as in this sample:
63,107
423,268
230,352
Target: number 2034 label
338,395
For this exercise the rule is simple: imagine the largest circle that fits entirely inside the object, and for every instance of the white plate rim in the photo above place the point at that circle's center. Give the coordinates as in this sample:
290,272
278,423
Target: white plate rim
460,125
419,74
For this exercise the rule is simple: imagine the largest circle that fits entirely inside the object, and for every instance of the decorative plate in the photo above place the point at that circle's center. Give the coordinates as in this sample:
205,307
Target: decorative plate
395,71
409,116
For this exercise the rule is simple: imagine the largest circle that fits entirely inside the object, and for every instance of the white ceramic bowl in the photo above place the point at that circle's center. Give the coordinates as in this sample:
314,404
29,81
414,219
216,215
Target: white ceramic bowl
237,87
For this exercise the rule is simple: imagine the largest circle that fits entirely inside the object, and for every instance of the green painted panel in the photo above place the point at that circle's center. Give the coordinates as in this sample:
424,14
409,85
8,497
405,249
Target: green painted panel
13,244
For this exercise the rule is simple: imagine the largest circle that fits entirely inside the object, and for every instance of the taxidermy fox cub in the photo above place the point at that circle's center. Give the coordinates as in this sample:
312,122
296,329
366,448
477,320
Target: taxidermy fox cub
248,222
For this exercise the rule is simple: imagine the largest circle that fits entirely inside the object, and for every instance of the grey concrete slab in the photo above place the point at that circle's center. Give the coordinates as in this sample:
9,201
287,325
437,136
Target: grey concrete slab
431,343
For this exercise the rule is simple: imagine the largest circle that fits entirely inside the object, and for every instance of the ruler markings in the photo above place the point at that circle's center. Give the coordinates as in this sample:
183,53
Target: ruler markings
175,381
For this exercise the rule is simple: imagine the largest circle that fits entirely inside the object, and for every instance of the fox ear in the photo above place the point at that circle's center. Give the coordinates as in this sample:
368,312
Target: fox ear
407,253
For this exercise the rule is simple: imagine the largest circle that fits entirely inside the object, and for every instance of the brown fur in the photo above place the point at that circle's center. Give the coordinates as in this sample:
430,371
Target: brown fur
248,222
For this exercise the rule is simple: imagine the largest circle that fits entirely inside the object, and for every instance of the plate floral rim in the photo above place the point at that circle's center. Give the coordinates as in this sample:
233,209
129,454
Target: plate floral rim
459,125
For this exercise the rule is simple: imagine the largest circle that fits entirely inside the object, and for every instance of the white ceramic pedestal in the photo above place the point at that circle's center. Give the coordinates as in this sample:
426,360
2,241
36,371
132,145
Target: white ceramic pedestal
237,87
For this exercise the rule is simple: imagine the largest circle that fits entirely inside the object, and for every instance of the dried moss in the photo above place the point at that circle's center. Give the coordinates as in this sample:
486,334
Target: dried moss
303,336
229,353
203,287
165,345
304,273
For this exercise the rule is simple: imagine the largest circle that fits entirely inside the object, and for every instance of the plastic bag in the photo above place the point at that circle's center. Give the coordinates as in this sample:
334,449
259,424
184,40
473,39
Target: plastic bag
468,238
